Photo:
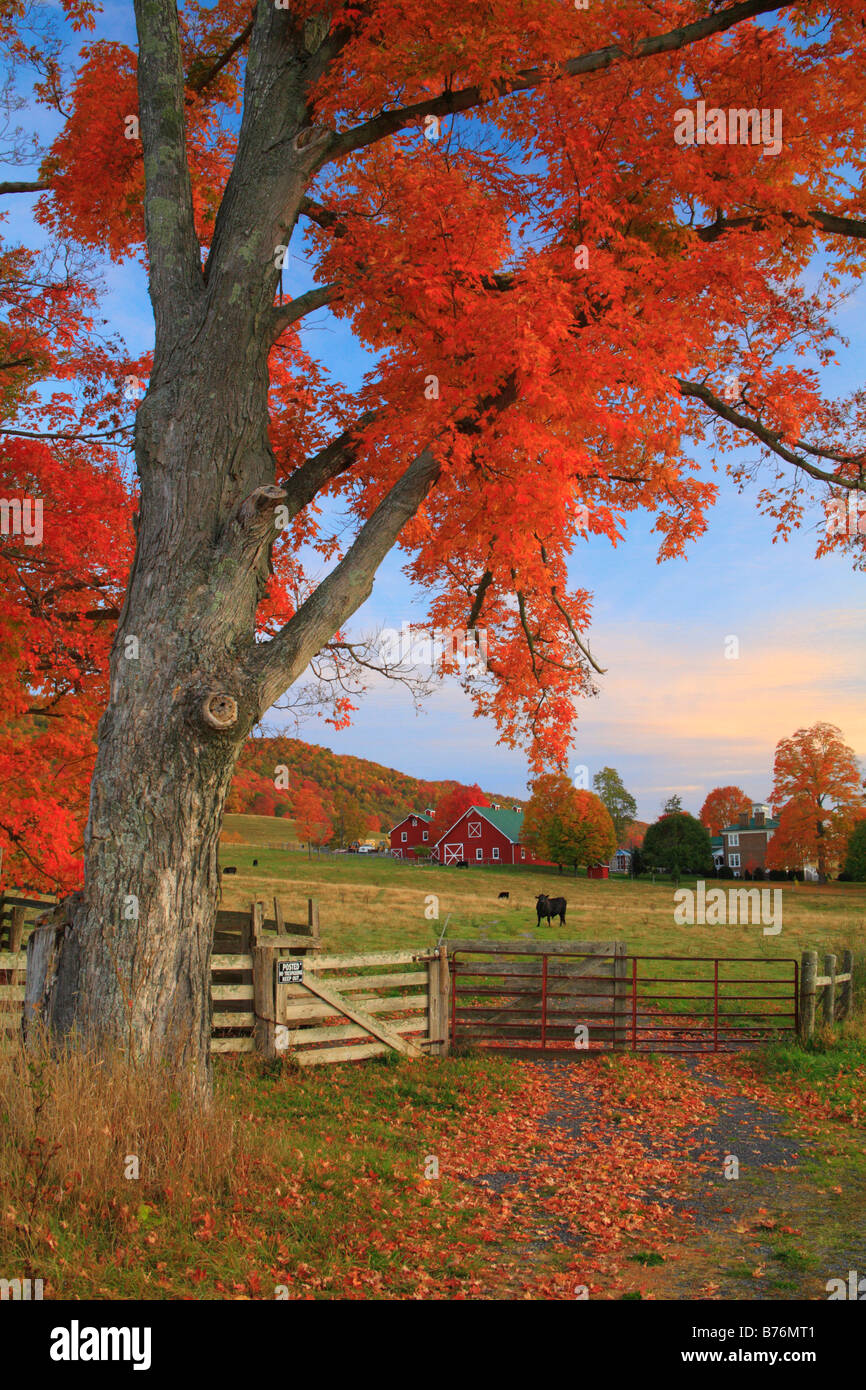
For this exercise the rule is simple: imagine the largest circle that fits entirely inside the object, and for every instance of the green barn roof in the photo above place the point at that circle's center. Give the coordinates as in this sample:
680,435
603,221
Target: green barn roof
509,822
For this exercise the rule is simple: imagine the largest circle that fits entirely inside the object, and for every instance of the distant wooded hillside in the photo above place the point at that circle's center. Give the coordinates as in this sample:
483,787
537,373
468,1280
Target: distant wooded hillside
259,787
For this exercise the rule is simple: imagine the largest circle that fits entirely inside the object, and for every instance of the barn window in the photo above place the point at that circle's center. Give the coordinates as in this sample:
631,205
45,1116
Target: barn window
475,830
523,854
414,822
403,836
495,851
424,833
479,854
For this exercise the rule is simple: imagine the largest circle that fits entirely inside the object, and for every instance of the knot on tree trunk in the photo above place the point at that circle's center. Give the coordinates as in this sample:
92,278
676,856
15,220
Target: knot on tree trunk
311,135
262,500
219,710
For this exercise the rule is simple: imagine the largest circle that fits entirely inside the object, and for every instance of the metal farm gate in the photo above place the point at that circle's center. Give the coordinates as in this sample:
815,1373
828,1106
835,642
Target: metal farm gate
566,998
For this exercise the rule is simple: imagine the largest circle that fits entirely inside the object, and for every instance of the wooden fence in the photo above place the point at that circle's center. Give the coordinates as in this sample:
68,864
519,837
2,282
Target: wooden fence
836,988
328,1008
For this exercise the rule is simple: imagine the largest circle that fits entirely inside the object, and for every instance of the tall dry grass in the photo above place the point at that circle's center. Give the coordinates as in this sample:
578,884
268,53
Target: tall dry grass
72,1124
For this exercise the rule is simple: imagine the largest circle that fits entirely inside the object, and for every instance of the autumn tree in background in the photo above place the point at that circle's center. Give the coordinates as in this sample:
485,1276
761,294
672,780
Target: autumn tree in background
819,775
567,825
450,807
723,806
678,844
855,854
347,819
796,842
312,823
621,805
550,347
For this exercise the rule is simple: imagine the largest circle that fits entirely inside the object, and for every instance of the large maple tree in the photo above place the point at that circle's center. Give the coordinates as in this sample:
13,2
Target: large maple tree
557,296
818,788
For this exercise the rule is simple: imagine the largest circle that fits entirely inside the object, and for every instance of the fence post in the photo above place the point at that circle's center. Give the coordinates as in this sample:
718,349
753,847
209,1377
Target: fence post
434,1007
830,990
313,921
808,976
846,993
16,929
620,996
264,974
444,1002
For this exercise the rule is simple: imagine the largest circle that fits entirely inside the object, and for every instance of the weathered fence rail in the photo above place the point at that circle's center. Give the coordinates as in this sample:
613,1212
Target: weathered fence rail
837,1004
328,1008
274,992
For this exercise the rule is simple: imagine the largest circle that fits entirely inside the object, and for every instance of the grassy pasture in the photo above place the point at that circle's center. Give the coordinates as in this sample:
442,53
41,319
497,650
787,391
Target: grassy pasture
370,903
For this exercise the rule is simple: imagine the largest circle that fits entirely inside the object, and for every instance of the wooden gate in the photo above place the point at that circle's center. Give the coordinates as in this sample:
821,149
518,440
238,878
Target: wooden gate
345,1008
562,997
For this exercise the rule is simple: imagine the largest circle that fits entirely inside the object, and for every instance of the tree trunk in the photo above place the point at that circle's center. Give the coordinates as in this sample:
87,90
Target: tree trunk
822,852
134,956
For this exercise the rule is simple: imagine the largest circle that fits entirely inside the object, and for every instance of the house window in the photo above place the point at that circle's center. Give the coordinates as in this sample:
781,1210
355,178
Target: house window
495,851
475,830
733,841
479,854
424,836
733,861
403,836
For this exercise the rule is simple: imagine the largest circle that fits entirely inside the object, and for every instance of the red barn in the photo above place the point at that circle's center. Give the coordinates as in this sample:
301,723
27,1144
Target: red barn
408,833
485,835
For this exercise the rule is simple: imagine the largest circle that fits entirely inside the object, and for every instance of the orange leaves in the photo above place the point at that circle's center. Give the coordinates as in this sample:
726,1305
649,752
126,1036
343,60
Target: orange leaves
566,824
721,807
97,174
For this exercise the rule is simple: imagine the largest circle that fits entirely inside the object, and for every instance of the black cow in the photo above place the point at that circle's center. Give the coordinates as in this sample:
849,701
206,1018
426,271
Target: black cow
550,908
461,864
229,871
503,895
255,863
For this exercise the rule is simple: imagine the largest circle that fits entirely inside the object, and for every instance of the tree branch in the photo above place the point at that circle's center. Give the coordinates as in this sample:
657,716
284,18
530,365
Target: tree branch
828,222
198,82
454,102
772,439
276,664
23,186
287,314
478,601
336,458
175,270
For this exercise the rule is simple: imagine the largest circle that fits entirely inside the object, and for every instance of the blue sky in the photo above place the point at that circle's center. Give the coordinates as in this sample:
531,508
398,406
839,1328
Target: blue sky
673,712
